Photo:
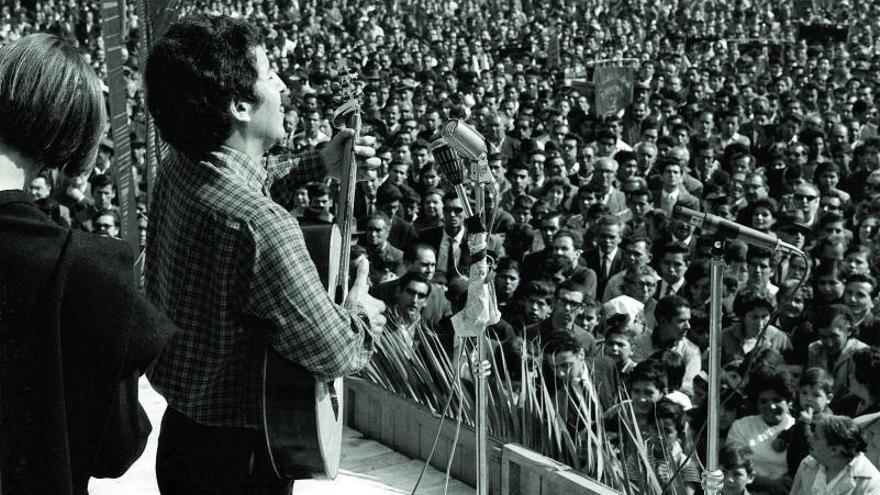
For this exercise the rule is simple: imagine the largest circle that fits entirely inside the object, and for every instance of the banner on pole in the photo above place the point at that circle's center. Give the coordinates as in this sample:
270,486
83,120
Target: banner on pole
613,87
553,57
823,33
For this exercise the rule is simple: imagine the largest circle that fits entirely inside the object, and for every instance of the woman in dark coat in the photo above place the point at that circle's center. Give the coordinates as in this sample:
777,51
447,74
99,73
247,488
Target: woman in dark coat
74,333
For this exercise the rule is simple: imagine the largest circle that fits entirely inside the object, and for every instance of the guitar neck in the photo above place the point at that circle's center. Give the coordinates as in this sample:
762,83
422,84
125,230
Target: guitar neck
345,217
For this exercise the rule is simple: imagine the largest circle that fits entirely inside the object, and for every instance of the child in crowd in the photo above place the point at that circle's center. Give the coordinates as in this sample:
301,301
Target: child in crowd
589,316
814,398
732,402
618,347
674,364
735,462
701,388
828,282
667,440
647,385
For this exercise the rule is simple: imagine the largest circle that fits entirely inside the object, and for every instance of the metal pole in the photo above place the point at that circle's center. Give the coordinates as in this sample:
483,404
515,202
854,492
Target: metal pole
482,402
716,277
482,434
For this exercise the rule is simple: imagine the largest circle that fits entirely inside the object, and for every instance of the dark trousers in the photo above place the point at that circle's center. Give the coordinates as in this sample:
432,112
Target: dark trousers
195,459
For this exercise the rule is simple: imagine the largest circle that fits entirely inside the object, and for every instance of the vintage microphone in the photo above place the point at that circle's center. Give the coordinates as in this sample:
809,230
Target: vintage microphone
464,139
726,229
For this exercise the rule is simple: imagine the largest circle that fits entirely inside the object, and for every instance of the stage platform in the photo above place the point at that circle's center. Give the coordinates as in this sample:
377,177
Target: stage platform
368,467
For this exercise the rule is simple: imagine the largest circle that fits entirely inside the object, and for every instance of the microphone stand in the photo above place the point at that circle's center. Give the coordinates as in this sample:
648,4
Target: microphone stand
712,478
478,178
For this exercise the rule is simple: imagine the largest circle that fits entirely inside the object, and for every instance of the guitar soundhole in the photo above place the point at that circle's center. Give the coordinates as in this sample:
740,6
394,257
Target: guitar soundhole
334,398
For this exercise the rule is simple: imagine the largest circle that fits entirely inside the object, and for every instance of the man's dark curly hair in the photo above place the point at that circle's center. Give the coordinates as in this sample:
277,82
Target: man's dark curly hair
843,432
193,73
867,369
752,297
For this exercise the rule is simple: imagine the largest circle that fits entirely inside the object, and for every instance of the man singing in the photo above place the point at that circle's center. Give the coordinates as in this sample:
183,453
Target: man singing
228,263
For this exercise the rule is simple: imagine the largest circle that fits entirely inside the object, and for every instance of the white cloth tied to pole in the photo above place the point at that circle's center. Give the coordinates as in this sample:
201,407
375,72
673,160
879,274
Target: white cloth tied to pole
481,309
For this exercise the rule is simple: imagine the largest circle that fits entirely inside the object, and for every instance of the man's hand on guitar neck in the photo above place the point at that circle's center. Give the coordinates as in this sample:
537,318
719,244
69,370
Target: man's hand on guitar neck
359,295
333,153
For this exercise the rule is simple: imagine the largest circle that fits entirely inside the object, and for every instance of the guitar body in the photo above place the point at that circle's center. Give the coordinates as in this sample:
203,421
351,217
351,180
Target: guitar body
303,416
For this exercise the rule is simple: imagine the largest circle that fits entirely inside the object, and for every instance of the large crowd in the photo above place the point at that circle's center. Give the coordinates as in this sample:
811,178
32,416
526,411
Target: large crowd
738,110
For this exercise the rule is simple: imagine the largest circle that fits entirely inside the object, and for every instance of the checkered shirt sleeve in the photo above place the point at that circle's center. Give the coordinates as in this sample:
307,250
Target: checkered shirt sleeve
287,171
230,267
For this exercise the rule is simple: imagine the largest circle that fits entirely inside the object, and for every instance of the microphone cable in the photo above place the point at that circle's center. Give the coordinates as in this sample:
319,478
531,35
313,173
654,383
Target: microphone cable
455,388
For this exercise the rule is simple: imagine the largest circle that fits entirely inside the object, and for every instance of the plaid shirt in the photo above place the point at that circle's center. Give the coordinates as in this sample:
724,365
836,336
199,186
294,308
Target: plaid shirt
230,267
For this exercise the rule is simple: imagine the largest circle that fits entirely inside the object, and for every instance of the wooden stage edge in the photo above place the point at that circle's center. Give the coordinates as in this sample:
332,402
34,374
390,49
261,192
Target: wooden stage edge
410,429
385,443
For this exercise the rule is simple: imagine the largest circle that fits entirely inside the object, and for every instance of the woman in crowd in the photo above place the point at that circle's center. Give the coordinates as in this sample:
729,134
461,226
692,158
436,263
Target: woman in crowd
772,393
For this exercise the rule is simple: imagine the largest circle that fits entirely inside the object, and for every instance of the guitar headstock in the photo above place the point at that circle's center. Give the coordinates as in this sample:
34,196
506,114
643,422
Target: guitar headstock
349,89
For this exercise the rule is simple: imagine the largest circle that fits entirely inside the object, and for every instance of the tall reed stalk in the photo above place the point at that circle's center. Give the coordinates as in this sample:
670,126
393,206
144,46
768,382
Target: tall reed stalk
569,425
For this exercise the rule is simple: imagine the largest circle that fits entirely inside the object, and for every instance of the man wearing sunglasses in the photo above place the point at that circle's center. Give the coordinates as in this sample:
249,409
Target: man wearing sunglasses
449,240
806,198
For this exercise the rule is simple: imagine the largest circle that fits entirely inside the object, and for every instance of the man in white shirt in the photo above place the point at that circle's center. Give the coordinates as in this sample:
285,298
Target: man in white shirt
312,135
673,315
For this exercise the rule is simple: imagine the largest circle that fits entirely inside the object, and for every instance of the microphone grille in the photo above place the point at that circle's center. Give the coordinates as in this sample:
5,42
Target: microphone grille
451,165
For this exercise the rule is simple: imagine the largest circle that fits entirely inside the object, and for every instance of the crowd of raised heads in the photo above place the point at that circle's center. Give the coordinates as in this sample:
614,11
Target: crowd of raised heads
756,112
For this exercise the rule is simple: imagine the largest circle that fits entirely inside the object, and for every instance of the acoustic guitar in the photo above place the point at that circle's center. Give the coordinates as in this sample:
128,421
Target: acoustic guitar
302,416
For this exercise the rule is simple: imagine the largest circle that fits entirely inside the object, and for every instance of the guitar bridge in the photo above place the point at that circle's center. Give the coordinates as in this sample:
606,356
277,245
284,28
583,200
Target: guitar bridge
334,398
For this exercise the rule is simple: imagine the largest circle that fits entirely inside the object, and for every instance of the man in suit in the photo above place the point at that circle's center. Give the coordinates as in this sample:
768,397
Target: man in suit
499,142
604,174
606,259
421,258
549,225
518,179
570,244
385,259
672,191
757,129
568,303
410,297
40,190
673,264
688,181
450,240
401,233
